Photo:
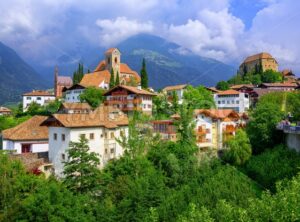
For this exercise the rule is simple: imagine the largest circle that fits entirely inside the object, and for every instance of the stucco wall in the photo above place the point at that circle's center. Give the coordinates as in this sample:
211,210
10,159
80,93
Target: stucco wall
293,141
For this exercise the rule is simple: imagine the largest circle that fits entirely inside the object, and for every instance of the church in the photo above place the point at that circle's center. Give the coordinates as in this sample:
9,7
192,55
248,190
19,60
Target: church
102,74
61,82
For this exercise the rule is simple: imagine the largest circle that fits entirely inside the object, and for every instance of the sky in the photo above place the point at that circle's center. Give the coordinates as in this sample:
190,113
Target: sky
226,30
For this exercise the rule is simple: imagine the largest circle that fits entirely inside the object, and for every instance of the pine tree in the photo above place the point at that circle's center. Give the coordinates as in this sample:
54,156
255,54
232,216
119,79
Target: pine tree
117,79
144,75
112,79
81,169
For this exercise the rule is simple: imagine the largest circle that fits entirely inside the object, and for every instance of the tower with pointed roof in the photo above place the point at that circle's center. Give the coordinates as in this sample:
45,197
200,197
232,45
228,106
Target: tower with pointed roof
61,82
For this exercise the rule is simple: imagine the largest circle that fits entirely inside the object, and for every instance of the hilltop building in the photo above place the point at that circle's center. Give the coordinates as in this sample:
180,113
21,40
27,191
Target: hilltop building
232,99
101,127
61,82
38,96
4,111
259,62
101,75
129,99
27,137
289,76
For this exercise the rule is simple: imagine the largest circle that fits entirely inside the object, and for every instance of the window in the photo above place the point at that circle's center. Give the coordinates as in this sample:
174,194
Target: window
91,136
55,136
28,98
108,60
63,137
63,156
38,98
116,60
122,133
219,102
105,151
105,135
112,135
112,150
237,102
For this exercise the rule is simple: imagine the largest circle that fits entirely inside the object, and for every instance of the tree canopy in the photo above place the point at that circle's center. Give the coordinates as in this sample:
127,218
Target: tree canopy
198,98
93,96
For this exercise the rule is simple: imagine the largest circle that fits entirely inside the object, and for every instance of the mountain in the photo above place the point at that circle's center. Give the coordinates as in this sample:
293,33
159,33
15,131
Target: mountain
16,76
167,63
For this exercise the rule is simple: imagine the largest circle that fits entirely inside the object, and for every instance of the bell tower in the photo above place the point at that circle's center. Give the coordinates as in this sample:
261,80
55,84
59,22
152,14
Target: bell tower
112,60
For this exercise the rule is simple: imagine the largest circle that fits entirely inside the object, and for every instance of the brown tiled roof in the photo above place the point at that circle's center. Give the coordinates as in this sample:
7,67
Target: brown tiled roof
125,69
4,109
110,50
132,89
38,93
176,87
102,116
212,89
263,55
95,78
241,86
217,113
28,130
64,80
279,84
75,86
100,66
287,72
228,92
77,106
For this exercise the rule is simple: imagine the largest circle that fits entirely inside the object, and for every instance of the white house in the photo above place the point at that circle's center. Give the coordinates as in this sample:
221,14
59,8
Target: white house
232,99
38,96
72,94
101,127
27,137
129,99
75,108
178,89
214,126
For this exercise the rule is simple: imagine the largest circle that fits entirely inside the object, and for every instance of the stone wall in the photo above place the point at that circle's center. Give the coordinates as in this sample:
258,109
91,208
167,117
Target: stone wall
293,141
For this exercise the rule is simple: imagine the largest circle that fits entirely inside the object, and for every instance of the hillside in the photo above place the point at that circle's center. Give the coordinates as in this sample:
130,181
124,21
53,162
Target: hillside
165,64
16,76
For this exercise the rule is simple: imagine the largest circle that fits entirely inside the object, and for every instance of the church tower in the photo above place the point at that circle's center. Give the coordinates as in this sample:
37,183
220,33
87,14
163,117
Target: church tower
55,81
113,60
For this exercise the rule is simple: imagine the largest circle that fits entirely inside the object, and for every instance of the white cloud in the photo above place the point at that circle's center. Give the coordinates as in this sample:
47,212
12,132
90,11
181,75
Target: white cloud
114,31
213,34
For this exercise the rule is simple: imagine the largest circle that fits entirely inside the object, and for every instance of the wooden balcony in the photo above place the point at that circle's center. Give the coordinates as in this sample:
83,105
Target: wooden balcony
202,131
204,140
123,101
229,129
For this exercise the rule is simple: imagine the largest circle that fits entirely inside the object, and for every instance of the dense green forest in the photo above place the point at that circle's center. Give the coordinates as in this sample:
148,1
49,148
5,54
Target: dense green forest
255,180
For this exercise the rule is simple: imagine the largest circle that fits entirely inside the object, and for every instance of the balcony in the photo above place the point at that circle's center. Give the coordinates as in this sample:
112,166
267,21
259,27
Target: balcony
202,131
204,140
229,129
123,101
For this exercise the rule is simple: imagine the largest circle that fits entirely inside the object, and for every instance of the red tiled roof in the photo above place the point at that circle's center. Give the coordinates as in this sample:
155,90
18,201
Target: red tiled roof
241,86
279,84
4,109
110,50
64,80
263,55
228,92
95,79
217,113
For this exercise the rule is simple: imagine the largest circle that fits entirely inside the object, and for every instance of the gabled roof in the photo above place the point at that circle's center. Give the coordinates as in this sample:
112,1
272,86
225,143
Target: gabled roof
212,89
75,106
4,109
131,89
228,92
64,80
217,113
236,87
38,93
103,116
263,55
100,66
278,84
110,50
75,86
95,78
175,87
28,130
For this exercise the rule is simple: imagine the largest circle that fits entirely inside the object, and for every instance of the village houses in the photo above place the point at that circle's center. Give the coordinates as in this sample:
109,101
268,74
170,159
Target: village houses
38,96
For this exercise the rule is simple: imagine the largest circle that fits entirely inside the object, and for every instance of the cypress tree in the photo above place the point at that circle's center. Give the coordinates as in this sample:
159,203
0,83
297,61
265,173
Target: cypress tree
112,79
144,75
117,79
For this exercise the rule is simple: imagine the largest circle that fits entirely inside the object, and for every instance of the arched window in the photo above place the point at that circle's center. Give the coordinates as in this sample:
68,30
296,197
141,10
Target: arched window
108,60
116,60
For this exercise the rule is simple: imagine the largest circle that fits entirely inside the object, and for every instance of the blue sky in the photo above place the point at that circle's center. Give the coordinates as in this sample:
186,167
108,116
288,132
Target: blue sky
227,30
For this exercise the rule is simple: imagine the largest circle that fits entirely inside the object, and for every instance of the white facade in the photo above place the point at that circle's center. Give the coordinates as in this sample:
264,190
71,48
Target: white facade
101,141
34,146
179,93
41,100
73,95
238,102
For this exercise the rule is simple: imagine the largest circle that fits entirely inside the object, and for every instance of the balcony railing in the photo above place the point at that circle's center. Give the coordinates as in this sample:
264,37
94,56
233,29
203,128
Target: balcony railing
229,129
123,101
202,131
